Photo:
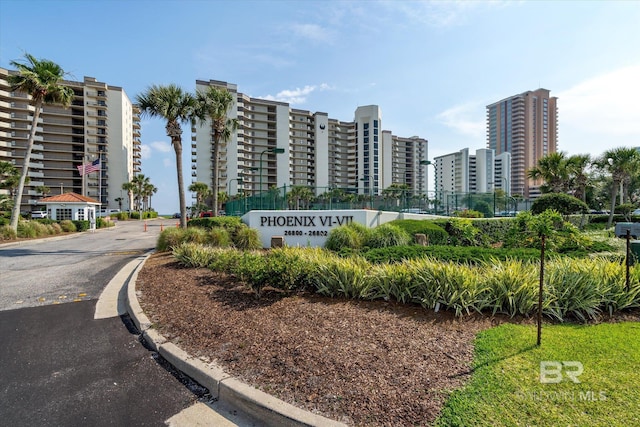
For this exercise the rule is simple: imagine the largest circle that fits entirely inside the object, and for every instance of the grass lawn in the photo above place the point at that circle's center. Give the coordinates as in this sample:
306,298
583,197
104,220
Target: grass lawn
505,389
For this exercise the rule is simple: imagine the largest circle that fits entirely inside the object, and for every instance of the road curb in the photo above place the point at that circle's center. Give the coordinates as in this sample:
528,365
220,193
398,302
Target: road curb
270,410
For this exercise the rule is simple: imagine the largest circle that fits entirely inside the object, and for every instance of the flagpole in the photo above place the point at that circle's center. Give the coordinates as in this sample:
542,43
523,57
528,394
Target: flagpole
100,181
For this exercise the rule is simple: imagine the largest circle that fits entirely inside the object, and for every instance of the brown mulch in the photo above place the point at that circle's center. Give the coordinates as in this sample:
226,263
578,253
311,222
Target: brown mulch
359,362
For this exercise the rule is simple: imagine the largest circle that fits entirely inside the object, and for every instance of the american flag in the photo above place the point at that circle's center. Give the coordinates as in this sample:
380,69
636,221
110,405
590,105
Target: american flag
89,167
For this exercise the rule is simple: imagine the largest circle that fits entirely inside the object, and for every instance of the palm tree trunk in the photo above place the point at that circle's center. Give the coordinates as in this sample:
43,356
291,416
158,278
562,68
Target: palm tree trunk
177,146
216,169
15,212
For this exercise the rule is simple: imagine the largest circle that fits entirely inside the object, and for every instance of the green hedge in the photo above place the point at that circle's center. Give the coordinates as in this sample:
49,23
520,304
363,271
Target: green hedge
459,254
228,222
81,225
435,233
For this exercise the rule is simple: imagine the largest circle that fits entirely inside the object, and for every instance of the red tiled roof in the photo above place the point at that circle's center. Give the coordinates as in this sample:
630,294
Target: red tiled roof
69,198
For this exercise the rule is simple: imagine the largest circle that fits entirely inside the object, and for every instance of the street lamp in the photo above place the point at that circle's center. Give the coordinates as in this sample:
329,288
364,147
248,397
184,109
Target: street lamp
274,150
367,178
239,180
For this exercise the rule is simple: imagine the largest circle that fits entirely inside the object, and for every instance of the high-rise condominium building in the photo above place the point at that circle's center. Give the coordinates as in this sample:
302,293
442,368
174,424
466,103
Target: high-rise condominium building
318,151
101,123
461,172
525,125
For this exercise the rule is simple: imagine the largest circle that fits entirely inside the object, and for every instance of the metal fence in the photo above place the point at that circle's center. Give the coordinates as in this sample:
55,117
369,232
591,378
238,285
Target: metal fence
326,198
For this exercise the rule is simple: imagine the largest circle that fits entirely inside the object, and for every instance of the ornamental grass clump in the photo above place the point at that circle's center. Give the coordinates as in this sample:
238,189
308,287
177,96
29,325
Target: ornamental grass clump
291,268
252,270
345,277
169,238
194,255
444,285
246,238
572,288
387,235
392,281
7,233
512,286
350,236
219,237
68,226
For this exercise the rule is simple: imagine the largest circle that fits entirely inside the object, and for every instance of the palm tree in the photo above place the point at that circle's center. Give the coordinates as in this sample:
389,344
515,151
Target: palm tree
577,166
553,170
623,163
139,183
176,107
149,191
300,193
214,104
40,79
129,187
202,191
223,197
43,189
10,178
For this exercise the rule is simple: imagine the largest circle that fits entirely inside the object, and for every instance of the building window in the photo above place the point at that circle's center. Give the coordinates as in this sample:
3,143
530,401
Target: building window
375,123
366,125
62,214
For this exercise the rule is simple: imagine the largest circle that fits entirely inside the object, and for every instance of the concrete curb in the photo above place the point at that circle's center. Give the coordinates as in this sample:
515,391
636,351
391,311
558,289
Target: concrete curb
230,390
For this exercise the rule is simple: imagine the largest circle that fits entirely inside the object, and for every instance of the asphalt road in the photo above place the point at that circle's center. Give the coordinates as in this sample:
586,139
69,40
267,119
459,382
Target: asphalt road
59,366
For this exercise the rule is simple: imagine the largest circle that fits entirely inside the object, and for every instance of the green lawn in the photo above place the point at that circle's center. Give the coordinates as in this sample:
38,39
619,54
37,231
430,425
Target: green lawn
505,389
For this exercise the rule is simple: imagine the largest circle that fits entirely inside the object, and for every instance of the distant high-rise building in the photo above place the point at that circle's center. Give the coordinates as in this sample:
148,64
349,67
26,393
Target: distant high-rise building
319,152
101,122
525,125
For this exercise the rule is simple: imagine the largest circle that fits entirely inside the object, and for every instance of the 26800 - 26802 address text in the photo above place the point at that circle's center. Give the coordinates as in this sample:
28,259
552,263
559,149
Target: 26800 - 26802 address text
322,233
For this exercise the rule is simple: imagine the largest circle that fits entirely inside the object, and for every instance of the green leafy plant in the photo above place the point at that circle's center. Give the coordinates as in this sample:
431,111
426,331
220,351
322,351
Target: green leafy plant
352,236
246,238
387,235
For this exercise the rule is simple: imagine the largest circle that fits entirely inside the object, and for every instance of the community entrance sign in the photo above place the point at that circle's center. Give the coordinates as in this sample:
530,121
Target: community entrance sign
309,227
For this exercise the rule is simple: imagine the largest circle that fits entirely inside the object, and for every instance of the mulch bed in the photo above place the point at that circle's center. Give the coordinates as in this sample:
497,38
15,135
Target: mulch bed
359,362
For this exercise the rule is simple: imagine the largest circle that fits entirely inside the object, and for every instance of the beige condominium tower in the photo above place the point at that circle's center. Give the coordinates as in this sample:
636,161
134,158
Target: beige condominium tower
525,125
101,123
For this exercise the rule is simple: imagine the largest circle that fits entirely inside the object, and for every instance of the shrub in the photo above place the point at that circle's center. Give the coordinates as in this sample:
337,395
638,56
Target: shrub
459,254
194,255
219,236
462,232
7,233
67,226
169,238
436,234
387,235
121,216
352,236
229,222
392,281
251,269
291,268
493,230
342,277
563,203
81,225
195,235
57,229
246,238
512,287
468,213
484,208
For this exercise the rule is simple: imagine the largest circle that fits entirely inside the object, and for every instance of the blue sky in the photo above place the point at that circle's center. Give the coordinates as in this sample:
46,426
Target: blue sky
432,67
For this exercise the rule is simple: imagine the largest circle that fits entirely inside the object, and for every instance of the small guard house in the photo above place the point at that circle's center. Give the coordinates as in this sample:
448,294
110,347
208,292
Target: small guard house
70,206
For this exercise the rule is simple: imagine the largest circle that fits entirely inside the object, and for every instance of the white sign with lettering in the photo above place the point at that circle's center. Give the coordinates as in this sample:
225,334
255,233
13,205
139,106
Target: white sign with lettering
309,227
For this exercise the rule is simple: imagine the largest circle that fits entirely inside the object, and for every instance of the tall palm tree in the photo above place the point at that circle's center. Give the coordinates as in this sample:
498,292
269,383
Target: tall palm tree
41,79
553,170
299,193
623,163
176,107
147,191
214,104
202,191
140,182
577,166
129,187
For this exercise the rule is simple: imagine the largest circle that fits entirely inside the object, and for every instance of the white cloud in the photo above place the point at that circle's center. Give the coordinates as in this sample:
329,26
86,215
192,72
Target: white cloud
162,146
312,32
298,95
145,151
601,112
467,119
